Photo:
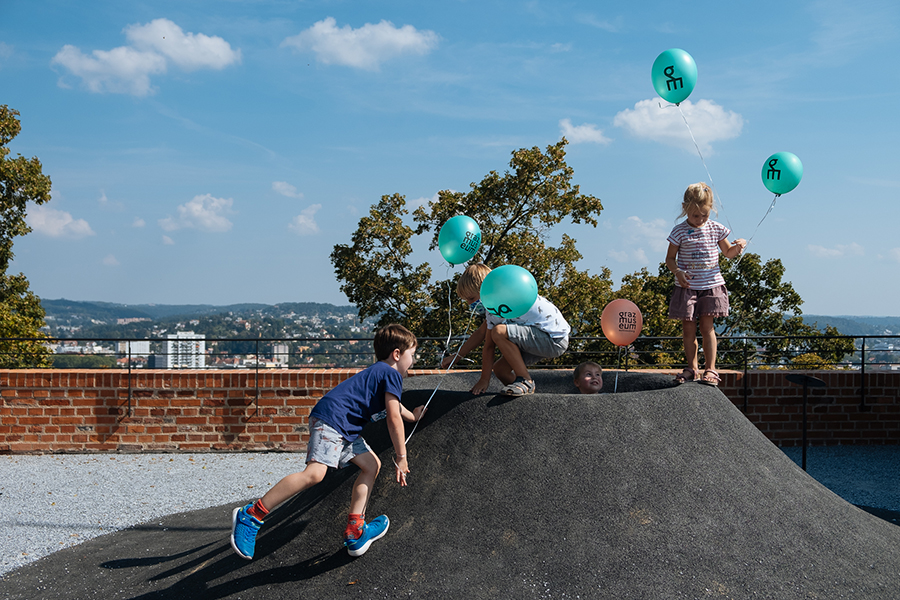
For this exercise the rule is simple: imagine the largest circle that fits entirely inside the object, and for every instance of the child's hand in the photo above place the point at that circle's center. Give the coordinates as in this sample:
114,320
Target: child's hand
480,387
418,412
445,364
402,468
741,243
683,278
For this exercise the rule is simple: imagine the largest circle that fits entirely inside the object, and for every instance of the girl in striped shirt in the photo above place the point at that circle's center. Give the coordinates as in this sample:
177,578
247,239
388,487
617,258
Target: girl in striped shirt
700,294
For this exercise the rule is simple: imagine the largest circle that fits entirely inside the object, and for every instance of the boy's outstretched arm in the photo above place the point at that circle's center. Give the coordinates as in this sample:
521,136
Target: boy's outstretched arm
469,345
398,434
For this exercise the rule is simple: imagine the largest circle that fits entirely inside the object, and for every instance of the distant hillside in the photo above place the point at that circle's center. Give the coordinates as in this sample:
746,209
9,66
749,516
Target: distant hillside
851,325
71,311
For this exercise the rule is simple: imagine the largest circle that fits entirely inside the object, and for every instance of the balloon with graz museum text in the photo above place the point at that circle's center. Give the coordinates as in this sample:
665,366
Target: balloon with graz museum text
621,322
509,291
782,172
459,239
674,75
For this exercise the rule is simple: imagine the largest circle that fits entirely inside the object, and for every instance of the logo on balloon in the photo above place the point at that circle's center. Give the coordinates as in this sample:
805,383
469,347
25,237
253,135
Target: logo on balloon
459,239
782,172
674,75
674,82
470,243
621,322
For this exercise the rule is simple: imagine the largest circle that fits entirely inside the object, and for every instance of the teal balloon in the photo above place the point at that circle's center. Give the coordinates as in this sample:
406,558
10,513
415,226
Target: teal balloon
674,75
508,291
782,172
459,239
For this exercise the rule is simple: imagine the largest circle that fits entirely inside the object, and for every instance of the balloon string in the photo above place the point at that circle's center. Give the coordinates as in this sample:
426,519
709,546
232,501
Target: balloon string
771,206
702,160
618,366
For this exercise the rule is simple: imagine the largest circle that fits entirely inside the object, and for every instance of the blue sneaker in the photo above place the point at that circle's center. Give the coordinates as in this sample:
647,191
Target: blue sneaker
244,528
373,530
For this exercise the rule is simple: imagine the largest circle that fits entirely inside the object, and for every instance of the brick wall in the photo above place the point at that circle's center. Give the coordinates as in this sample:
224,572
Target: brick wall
198,411
837,414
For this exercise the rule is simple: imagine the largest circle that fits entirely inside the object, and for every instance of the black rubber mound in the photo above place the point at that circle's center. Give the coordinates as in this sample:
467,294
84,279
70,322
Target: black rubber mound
657,491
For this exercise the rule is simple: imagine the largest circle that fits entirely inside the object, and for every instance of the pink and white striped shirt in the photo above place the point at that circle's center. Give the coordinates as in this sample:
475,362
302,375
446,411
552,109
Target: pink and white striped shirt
698,253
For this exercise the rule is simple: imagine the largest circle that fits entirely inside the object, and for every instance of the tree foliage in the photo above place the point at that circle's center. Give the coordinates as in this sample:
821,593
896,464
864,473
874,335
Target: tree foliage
21,314
515,212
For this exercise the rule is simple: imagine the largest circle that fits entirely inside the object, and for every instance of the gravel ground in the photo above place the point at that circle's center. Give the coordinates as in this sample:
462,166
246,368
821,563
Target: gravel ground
50,502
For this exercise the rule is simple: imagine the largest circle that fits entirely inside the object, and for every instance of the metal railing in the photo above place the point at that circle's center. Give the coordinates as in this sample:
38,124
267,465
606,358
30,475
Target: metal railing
744,353
734,352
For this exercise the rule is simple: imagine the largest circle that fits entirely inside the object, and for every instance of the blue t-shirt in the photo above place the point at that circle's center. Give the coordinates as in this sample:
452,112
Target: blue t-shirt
351,405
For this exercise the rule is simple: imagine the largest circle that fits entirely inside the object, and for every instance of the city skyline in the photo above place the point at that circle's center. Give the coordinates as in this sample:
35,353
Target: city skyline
214,153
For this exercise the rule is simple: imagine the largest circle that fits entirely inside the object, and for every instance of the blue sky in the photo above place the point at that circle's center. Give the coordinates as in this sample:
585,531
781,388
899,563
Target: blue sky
214,152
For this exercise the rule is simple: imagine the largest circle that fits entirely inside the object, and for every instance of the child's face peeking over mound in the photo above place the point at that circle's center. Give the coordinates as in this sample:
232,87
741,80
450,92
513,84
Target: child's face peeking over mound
590,381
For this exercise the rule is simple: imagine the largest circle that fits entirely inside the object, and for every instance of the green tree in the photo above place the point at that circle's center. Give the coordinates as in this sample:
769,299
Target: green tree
21,314
515,212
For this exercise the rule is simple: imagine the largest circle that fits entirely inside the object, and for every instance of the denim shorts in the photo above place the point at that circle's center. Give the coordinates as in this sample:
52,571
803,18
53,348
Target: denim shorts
328,447
690,305
535,344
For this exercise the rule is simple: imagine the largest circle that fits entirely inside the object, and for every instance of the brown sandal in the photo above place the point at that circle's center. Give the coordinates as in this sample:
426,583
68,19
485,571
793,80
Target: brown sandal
710,377
686,375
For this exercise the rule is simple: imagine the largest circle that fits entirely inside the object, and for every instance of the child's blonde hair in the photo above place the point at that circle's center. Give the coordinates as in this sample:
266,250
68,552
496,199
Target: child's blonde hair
469,283
585,365
697,195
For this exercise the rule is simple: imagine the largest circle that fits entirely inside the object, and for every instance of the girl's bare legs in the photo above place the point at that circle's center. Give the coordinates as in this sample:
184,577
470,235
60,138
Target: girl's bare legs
689,335
710,342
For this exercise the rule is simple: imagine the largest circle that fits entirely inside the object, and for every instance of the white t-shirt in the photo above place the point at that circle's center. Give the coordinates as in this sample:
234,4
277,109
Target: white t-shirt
543,314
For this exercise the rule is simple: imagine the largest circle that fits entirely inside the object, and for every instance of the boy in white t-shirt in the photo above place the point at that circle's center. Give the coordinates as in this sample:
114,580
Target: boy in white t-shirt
540,333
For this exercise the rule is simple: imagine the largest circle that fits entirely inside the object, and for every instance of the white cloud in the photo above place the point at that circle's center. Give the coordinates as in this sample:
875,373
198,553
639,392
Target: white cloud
613,26
286,189
895,254
838,251
138,222
363,48
57,223
110,261
205,213
121,70
636,231
6,52
424,202
167,241
633,255
190,51
708,121
305,222
581,134
127,69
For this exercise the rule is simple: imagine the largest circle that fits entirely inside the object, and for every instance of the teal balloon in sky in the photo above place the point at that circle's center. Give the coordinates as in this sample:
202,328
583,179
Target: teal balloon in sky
674,75
782,172
459,239
508,291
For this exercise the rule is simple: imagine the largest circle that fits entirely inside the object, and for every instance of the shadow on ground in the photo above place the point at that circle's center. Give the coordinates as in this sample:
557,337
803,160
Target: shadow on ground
657,491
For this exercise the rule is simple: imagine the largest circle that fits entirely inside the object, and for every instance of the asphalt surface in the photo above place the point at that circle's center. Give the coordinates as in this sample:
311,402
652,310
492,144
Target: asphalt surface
657,491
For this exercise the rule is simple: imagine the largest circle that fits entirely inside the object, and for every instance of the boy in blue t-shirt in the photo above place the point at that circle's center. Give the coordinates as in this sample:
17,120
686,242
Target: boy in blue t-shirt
334,441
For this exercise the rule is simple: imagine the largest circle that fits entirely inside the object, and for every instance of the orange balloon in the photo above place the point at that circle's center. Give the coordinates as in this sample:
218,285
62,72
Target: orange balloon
621,322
